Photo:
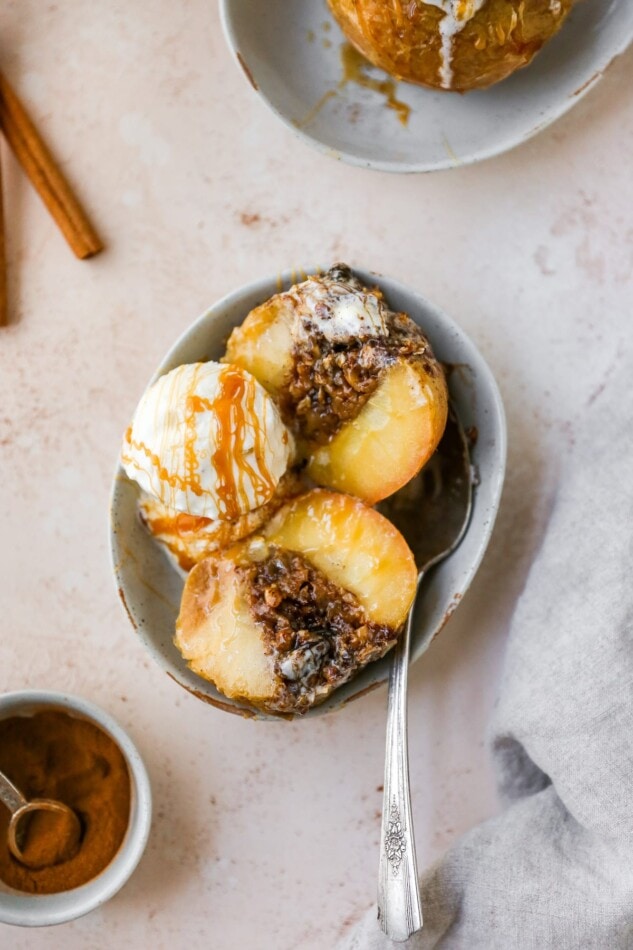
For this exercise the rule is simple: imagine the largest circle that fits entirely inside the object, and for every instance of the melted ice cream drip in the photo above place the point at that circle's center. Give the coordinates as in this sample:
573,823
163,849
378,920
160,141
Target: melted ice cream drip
457,13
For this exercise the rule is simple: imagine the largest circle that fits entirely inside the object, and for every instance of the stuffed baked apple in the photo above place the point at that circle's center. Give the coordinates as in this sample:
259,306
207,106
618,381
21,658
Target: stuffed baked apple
450,44
281,619
357,384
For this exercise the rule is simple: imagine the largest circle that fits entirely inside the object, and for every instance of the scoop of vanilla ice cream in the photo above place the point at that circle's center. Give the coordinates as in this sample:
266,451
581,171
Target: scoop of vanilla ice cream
207,439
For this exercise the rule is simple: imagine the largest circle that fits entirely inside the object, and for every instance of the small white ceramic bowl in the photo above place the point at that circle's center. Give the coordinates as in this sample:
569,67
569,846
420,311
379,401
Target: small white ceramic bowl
290,54
40,910
150,587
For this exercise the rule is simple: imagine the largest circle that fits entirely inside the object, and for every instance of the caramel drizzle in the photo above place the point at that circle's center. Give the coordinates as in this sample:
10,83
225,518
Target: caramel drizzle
173,479
179,524
233,406
362,22
354,70
397,9
235,413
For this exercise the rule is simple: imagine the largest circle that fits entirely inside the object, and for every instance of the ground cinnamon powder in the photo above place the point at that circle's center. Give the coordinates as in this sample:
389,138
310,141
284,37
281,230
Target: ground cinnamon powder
49,838
54,755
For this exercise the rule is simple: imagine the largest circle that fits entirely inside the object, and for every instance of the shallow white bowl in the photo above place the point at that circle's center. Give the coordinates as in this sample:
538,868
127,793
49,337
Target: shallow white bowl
39,910
150,587
293,73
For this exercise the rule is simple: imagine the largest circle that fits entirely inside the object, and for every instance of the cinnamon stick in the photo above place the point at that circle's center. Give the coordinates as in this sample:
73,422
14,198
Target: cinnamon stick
45,175
4,310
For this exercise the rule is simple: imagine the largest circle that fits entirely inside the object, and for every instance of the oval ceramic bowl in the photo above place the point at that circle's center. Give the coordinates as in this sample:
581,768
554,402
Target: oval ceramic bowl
39,910
150,587
291,55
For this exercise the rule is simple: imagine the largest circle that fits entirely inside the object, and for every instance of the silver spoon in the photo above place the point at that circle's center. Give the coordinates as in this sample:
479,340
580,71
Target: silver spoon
432,512
21,809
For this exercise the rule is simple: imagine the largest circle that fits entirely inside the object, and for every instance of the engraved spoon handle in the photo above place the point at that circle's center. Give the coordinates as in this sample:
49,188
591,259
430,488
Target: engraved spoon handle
10,795
399,908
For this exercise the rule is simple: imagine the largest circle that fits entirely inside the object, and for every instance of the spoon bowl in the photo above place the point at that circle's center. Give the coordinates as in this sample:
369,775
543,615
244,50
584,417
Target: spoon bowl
66,830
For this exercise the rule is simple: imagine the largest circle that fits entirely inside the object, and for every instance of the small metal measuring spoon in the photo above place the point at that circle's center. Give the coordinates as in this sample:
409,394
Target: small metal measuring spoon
20,808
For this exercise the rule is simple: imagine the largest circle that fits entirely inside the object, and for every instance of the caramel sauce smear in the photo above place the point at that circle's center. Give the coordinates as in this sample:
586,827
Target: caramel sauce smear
355,69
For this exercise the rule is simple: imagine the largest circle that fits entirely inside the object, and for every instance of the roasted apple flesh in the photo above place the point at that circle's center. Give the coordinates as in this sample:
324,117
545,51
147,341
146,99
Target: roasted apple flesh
281,619
450,44
357,384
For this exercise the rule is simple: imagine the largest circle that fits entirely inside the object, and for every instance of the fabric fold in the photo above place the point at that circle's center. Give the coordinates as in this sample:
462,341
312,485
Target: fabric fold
554,871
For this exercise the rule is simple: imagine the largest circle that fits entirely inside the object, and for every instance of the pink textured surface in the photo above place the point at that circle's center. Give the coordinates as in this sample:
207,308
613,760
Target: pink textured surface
266,835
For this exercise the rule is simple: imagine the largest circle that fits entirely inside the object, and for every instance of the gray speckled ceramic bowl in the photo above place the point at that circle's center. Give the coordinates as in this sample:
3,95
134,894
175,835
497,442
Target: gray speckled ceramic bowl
290,54
43,910
150,587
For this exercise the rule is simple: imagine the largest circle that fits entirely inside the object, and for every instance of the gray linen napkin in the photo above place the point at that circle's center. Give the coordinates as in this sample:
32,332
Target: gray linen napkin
555,869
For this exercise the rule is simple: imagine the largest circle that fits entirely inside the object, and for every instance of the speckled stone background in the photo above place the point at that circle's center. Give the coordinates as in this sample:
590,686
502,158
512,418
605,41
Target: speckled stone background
266,835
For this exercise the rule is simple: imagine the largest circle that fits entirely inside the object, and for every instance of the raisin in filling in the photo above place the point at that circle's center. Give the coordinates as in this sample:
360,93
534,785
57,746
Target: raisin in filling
317,632
332,381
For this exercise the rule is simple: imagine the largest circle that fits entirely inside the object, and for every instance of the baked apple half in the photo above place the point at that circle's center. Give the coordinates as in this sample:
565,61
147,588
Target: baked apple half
286,616
450,44
357,383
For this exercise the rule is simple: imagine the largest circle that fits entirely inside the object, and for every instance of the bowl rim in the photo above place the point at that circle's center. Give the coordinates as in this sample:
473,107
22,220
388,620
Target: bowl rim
261,287
447,162
40,910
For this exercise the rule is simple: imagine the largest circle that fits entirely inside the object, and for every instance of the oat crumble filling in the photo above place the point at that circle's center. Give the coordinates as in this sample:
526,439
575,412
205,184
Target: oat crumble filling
317,632
331,381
